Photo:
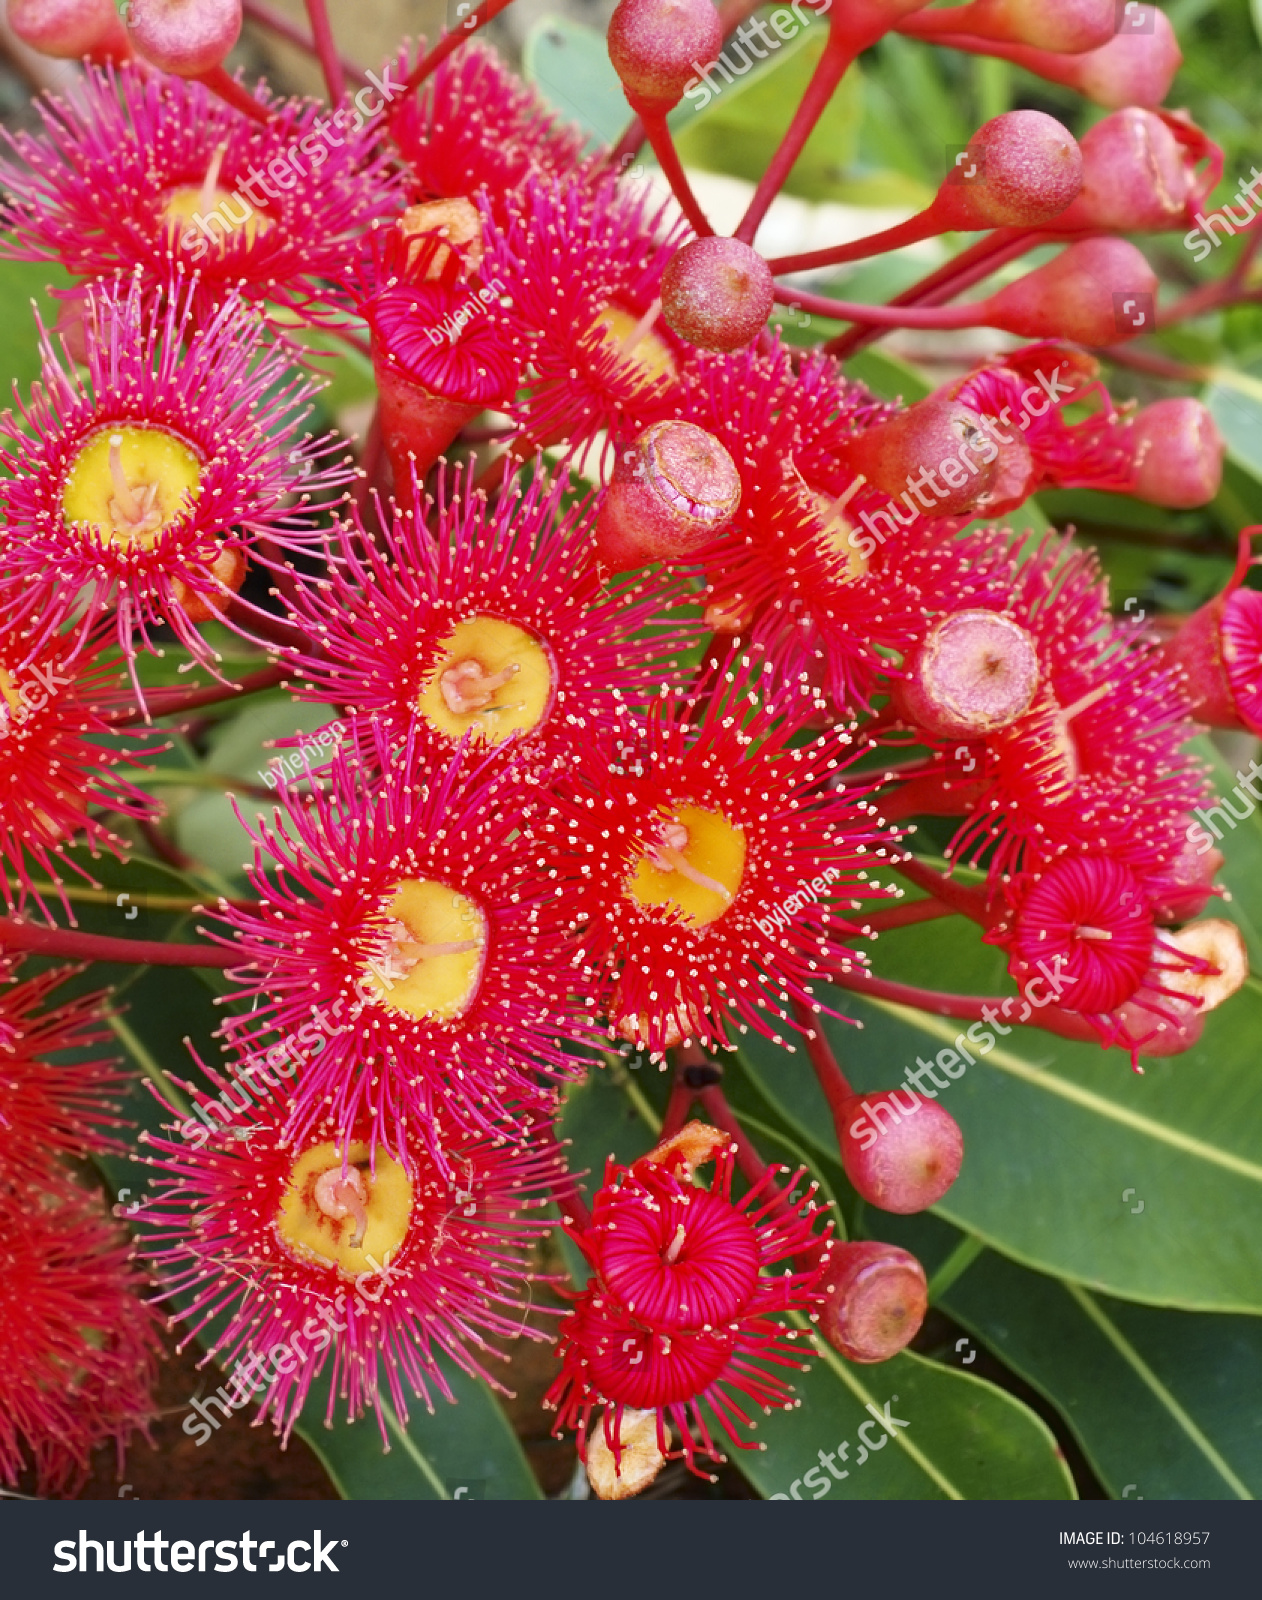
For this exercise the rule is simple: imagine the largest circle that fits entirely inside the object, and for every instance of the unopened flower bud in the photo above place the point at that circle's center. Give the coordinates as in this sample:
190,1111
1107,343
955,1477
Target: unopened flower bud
638,1460
186,37
71,29
1068,26
1178,454
935,439
670,493
1164,1027
1096,292
1137,175
1134,68
876,1300
1020,170
976,672
717,293
655,44
1219,649
901,1151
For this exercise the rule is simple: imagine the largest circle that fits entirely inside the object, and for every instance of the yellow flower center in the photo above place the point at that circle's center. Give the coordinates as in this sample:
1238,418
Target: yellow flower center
223,212
432,964
353,1219
633,339
130,483
693,867
839,537
493,677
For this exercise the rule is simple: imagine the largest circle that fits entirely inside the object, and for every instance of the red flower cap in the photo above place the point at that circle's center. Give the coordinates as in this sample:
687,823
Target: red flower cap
682,1304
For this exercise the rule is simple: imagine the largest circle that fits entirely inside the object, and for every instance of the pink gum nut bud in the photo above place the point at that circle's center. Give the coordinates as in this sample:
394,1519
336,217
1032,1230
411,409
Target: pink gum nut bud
876,1300
71,29
1138,176
1135,68
937,434
186,37
901,1151
655,46
976,673
416,426
1178,454
1068,26
668,497
1219,649
1020,170
717,293
1096,292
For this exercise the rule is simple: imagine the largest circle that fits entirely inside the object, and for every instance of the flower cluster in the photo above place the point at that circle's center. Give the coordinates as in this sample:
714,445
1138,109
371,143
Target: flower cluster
650,638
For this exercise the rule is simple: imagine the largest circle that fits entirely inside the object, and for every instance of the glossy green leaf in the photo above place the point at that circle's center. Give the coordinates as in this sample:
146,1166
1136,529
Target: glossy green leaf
1166,1404
964,1439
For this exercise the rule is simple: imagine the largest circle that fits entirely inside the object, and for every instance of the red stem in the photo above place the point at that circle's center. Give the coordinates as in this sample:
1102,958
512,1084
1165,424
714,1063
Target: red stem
953,277
18,935
655,126
905,915
326,49
832,1080
924,225
219,82
830,69
487,12
189,699
891,316
265,16
969,902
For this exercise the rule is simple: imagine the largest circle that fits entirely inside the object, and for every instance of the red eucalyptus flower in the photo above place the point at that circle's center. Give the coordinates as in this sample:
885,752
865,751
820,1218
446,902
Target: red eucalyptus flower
682,1308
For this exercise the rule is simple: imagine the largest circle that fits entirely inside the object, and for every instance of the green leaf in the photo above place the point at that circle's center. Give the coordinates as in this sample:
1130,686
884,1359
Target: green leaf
569,64
463,1451
1235,400
206,827
20,283
964,1439
1165,1403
